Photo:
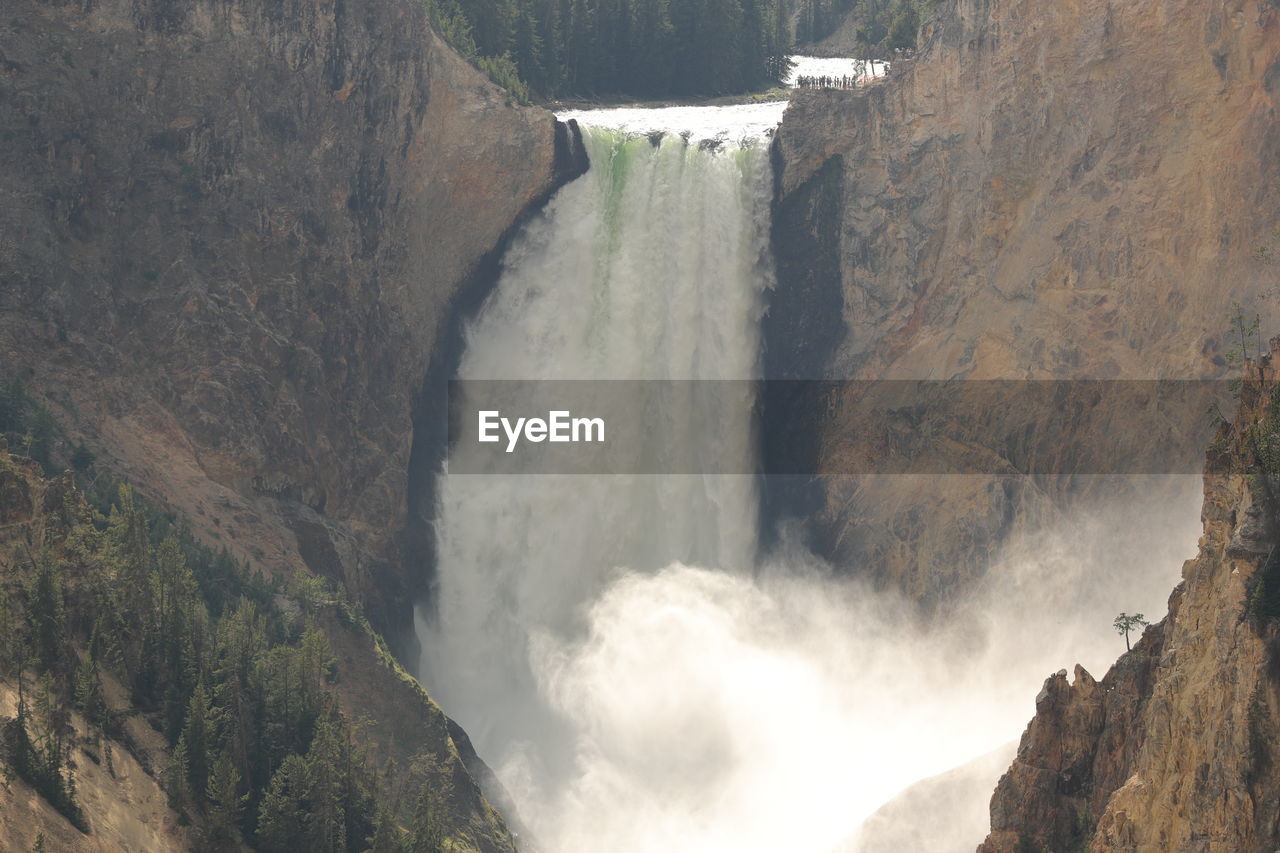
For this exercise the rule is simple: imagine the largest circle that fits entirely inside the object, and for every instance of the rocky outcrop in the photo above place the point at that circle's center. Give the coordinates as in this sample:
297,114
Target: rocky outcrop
1067,191
232,234
1174,748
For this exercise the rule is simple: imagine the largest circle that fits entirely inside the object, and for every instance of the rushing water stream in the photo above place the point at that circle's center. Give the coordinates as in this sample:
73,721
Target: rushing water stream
640,678
652,266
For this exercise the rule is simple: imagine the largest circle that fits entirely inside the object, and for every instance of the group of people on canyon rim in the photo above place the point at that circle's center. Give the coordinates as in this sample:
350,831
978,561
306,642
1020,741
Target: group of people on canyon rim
831,82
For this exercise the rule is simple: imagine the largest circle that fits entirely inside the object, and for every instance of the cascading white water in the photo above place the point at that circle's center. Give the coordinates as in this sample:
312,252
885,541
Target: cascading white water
651,266
640,681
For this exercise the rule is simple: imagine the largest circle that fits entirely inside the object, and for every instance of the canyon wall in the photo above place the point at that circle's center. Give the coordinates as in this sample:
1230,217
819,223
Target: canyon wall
1065,191
231,237
1071,190
1175,748
234,237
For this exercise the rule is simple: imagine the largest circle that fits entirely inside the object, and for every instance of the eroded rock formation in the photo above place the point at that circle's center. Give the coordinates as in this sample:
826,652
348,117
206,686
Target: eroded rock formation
1174,749
231,234
1067,190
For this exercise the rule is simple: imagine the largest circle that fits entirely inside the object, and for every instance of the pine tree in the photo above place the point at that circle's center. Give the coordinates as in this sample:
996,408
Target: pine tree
551,36
176,777
238,641
9,638
426,835
226,801
129,546
906,22
580,72
129,536
198,734
650,54
38,747
240,698
327,789
283,813
169,647
387,837
87,690
45,611
527,49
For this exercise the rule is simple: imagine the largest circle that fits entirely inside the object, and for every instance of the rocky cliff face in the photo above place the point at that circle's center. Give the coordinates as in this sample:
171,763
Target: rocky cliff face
1068,190
1174,749
231,234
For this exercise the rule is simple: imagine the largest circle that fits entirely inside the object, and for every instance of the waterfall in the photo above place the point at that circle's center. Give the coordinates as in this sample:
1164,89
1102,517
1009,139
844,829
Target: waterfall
653,265
639,677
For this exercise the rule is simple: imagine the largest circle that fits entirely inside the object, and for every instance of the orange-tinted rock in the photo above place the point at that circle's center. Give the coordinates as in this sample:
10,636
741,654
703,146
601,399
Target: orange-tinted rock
1175,748
1063,190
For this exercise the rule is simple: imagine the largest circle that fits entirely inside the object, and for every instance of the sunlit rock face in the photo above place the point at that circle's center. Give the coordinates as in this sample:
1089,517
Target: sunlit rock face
1174,749
232,232
1072,190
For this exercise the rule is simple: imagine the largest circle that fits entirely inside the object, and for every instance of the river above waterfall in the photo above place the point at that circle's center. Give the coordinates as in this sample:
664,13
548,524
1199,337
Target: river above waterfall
741,123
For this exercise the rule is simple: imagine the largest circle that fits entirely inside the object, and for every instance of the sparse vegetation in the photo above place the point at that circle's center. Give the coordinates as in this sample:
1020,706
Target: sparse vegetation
36,747
1125,622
